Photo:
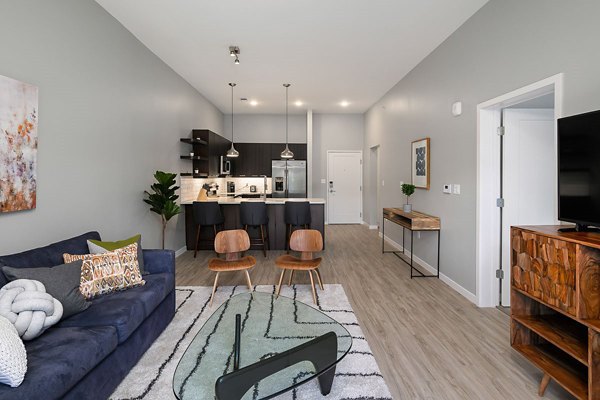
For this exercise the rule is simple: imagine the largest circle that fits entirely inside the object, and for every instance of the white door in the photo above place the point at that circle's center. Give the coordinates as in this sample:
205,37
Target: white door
529,177
344,187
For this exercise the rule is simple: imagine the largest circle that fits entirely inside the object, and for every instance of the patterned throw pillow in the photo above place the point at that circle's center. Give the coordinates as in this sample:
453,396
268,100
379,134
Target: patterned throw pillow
108,272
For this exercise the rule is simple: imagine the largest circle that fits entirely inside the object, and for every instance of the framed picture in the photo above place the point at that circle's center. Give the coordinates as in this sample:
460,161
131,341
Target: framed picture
420,163
18,145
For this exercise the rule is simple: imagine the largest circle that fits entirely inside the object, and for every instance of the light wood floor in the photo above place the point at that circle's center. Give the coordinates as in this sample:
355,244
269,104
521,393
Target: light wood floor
429,341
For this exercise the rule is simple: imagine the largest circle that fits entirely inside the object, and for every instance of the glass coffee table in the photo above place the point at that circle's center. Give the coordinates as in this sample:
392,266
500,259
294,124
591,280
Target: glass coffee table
257,346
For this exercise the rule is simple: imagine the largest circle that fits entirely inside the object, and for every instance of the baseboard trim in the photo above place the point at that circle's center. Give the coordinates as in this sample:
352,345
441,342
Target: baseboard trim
372,227
180,251
444,278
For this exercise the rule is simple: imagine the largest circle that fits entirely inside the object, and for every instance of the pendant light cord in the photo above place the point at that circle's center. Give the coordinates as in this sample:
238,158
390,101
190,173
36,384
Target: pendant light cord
286,116
231,113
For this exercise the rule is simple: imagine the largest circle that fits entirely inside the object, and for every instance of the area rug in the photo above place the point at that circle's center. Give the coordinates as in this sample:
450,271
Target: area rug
357,376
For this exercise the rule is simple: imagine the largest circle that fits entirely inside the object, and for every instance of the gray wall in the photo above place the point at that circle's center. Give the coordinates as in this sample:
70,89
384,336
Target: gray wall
333,132
506,45
110,113
265,128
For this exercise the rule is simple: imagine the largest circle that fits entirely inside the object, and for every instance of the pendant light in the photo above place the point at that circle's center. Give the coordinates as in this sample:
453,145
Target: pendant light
232,152
286,153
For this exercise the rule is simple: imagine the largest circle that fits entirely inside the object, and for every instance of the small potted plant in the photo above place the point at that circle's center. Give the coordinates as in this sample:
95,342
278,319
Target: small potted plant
407,189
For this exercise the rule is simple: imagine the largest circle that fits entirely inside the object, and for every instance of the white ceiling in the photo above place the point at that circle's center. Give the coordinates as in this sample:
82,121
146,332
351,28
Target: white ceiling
329,50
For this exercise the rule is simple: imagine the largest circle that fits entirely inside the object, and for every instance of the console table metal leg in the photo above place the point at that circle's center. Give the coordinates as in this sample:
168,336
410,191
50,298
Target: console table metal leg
412,240
383,235
438,255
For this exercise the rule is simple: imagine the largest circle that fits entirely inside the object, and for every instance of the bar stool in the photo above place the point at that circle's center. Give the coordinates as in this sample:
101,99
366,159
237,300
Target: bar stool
206,213
231,243
254,214
296,214
306,241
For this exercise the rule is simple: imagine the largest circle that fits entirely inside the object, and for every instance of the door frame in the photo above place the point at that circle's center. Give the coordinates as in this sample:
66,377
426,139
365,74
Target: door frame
360,152
488,175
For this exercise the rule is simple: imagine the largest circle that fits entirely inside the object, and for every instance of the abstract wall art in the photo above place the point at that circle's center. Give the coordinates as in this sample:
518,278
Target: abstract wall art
18,145
420,163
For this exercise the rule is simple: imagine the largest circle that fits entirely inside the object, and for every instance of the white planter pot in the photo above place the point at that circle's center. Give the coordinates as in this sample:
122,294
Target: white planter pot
407,208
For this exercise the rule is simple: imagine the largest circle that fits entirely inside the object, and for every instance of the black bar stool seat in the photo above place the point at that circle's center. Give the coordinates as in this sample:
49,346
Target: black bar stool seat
296,215
254,214
207,213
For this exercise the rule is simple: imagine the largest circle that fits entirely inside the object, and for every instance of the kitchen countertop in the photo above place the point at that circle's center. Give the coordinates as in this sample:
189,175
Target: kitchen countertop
269,200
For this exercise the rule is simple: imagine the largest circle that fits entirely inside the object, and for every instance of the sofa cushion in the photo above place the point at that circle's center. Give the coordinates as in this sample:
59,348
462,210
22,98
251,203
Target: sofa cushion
59,358
125,310
47,256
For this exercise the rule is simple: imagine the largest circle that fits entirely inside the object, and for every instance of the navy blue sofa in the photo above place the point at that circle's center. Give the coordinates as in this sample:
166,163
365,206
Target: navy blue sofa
87,355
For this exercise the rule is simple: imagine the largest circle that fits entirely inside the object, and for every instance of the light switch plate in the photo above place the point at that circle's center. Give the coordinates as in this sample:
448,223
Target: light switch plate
447,188
456,188
323,181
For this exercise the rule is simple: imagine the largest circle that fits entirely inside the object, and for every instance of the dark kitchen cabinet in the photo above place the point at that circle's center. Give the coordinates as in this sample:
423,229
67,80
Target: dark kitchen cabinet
254,159
207,147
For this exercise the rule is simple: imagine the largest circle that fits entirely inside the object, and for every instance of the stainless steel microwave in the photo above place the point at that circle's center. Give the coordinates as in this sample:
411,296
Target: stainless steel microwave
224,166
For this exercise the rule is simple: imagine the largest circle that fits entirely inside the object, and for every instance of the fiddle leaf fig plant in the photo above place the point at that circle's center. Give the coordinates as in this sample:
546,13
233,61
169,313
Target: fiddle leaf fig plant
162,198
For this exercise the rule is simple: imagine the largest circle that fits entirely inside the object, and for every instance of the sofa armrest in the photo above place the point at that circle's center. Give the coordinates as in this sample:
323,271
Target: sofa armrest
159,261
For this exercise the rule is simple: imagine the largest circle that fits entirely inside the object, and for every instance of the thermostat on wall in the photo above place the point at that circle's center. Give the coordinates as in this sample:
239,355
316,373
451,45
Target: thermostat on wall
457,108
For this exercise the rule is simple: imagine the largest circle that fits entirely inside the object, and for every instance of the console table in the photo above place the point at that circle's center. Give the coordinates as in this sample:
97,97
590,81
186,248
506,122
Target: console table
555,305
414,221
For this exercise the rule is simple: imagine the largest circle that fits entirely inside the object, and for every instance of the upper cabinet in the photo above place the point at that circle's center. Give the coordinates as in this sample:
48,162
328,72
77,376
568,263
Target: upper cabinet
207,147
255,158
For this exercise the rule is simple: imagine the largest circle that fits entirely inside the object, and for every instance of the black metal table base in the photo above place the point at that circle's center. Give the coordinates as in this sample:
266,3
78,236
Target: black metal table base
414,272
321,352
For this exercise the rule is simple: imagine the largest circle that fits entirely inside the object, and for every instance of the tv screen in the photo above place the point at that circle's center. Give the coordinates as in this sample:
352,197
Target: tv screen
579,169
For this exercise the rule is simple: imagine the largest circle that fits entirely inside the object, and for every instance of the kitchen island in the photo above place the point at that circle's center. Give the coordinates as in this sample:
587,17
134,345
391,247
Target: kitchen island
230,207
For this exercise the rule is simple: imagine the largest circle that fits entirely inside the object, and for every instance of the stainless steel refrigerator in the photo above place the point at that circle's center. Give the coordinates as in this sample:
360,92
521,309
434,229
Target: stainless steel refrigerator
289,178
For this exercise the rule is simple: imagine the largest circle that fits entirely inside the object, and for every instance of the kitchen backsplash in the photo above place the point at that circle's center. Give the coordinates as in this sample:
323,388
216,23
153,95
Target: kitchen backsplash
190,187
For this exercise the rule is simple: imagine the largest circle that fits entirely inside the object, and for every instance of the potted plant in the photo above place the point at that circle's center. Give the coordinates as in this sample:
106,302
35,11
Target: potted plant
407,189
162,200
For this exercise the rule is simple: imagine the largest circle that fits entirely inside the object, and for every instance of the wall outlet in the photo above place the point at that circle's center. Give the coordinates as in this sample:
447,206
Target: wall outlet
447,188
382,182
456,188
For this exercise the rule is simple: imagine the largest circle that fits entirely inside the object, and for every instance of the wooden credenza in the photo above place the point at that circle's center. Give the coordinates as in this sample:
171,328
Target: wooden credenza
555,305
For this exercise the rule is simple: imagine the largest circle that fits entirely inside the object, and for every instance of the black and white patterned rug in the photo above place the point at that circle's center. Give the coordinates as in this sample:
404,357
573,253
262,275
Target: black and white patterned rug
357,376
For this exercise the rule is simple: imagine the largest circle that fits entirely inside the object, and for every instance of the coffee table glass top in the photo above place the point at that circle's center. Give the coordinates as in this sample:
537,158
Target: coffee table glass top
269,325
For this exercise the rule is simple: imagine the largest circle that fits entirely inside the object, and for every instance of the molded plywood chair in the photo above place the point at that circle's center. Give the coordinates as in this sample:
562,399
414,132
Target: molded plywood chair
307,242
231,243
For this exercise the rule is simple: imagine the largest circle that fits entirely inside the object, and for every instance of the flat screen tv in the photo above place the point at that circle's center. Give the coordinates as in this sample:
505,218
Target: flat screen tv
579,170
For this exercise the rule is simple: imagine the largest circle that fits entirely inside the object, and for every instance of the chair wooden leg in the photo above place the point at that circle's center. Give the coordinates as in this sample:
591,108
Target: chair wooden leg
280,282
197,240
291,277
312,286
214,290
264,242
248,280
319,279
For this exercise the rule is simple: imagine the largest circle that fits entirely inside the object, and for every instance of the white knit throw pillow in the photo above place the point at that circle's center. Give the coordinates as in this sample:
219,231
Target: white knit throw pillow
13,358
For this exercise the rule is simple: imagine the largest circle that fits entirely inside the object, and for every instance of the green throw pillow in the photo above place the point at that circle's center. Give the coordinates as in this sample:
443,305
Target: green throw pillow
99,247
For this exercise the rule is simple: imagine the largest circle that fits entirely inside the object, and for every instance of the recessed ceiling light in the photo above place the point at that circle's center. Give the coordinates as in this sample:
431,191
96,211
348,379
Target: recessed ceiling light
253,102
344,103
298,103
